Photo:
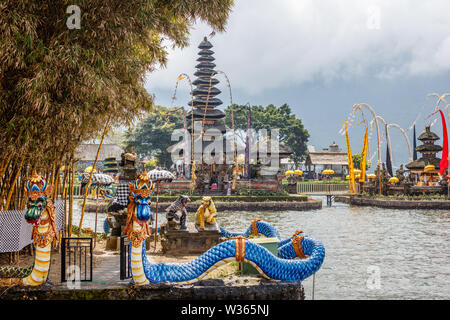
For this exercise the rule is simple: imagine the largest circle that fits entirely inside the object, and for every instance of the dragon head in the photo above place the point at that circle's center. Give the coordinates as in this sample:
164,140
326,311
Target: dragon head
139,205
140,194
37,191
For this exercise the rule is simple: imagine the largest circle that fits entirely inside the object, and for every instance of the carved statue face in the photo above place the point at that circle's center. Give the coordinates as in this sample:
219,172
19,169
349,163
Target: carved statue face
141,192
35,209
143,212
37,191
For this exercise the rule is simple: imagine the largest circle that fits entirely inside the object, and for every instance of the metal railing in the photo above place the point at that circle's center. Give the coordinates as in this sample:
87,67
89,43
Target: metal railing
76,254
125,270
322,188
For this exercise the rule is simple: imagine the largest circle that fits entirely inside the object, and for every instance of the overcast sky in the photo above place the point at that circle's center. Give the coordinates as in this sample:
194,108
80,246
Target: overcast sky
321,57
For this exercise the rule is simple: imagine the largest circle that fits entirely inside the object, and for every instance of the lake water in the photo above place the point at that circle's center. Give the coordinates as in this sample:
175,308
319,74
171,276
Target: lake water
371,253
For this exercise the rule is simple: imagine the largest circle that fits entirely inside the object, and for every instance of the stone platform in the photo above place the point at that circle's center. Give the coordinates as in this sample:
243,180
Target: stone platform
189,241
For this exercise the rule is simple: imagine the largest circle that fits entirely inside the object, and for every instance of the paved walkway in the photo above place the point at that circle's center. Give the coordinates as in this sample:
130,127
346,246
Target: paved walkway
107,273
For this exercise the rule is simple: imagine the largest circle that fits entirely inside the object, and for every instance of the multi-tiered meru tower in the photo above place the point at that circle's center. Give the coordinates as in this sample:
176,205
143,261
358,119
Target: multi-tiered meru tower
204,103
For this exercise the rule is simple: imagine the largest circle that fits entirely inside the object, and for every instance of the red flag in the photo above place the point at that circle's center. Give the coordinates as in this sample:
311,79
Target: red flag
444,161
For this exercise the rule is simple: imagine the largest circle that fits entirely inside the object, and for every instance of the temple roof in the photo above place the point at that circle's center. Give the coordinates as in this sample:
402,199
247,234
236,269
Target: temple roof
210,114
429,147
205,73
205,44
423,162
206,59
206,52
327,158
205,91
210,103
428,135
205,82
204,65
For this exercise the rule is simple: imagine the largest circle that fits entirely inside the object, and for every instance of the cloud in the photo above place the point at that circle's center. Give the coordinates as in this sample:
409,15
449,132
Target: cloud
271,44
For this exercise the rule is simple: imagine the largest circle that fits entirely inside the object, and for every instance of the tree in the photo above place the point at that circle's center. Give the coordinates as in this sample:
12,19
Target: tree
152,136
60,86
357,161
291,130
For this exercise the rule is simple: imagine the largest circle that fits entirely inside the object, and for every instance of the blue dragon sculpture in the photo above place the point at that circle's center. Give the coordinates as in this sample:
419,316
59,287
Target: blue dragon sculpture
298,257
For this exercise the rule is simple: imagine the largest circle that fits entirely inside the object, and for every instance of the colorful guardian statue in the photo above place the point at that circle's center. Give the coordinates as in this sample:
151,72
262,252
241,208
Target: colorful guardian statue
137,228
206,213
298,257
41,214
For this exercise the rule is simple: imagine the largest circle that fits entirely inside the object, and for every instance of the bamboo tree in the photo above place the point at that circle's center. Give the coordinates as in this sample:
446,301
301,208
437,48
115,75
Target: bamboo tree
16,176
69,227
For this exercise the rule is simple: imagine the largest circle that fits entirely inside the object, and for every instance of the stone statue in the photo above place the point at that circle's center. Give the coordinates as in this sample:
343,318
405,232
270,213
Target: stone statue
206,213
400,174
176,213
128,162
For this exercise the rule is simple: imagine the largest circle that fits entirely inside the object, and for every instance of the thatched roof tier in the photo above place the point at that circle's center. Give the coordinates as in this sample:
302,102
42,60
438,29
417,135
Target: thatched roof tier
211,102
429,147
210,114
205,44
205,82
327,158
421,163
206,52
206,59
87,152
205,65
428,135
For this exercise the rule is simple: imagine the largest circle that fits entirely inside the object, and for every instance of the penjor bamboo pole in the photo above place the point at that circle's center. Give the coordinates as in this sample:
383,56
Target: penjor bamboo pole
91,174
156,211
69,227
96,215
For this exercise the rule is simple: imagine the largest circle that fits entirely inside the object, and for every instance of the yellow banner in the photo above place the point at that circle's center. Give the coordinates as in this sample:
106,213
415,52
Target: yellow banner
350,162
362,176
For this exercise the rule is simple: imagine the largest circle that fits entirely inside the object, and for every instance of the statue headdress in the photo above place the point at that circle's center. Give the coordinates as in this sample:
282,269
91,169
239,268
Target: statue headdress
37,186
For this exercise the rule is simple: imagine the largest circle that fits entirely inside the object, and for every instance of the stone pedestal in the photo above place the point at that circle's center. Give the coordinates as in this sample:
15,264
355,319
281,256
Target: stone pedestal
189,241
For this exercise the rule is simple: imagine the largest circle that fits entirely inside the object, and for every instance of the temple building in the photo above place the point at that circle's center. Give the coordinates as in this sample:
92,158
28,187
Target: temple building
426,169
204,122
213,149
330,158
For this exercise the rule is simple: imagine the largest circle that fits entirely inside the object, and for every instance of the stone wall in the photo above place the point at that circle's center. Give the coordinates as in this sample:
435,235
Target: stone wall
234,288
253,206
393,203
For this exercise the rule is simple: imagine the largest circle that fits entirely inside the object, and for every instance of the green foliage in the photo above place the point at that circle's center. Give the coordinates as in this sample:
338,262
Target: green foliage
357,161
291,130
72,80
152,136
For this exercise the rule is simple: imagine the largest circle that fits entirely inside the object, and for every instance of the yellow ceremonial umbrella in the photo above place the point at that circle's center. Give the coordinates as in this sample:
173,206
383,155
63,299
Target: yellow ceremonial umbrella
328,171
89,169
299,172
289,172
347,177
429,168
356,171
393,180
371,176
